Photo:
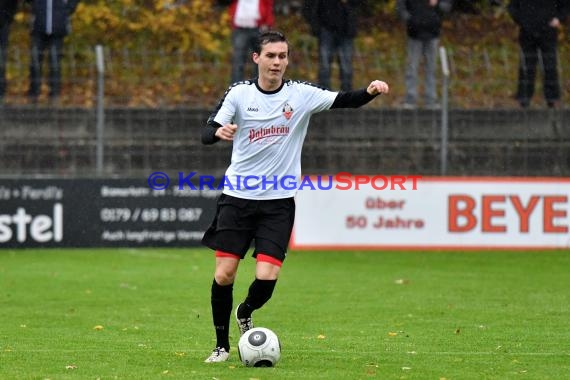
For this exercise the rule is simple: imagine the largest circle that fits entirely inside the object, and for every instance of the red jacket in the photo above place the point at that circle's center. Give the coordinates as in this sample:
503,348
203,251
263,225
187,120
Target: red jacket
265,11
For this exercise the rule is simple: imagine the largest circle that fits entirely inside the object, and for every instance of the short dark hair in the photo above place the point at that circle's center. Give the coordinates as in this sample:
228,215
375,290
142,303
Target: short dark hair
269,37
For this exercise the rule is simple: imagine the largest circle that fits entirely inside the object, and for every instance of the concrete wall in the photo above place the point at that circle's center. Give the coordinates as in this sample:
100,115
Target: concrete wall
38,141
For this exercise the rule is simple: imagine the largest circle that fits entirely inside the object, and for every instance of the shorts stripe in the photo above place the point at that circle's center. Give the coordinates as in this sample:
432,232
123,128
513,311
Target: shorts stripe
226,254
268,259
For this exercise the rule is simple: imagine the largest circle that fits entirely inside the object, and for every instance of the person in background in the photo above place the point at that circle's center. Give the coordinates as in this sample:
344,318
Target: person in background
7,11
539,22
335,24
423,19
248,19
51,23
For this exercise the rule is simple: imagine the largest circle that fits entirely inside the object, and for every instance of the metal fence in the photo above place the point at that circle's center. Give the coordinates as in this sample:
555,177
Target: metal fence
480,77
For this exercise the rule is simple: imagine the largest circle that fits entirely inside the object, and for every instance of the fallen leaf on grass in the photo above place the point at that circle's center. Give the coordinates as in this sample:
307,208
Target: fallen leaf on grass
458,331
98,328
71,366
128,286
392,333
402,281
321,336
406,368
180,353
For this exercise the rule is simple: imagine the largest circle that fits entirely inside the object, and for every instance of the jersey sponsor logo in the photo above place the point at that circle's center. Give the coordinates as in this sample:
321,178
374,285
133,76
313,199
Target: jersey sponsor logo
287,111
252,109
258,134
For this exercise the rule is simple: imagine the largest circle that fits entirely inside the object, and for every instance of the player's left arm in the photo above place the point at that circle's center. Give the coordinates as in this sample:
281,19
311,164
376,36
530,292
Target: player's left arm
358,98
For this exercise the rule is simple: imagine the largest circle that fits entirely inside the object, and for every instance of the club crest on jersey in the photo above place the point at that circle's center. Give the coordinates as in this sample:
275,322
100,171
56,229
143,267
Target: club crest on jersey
287,111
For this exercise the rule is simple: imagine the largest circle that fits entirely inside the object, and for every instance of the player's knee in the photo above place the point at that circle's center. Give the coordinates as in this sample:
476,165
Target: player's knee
267,267
226,267
225,276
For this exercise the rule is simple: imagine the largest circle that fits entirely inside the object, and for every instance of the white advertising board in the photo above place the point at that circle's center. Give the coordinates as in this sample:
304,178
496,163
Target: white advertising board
441,213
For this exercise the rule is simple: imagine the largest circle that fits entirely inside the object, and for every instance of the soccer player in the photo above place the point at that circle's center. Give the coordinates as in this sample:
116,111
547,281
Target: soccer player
266,119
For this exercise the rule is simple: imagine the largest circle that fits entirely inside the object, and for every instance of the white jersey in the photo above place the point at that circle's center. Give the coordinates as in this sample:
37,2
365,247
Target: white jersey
271,129
247,13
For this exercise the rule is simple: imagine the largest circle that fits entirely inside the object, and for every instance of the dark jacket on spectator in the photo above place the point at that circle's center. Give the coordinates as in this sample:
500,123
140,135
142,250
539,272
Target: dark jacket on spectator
337,16
52,20
7,11
423,22
534,15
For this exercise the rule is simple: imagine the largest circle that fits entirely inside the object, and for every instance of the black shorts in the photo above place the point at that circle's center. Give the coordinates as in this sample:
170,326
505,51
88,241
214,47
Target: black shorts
240,221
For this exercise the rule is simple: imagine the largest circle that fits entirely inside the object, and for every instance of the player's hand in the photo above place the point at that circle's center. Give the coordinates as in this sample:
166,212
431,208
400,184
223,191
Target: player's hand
554,23
226,132
378,87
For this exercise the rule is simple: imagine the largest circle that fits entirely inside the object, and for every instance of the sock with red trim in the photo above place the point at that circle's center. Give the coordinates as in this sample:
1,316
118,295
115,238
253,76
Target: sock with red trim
222,300
260,291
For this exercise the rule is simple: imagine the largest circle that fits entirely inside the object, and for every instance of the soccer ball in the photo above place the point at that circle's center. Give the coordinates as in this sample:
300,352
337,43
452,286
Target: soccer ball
259,347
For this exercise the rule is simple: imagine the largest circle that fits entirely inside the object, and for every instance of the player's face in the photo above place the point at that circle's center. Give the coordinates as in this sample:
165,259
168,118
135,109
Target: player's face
272,62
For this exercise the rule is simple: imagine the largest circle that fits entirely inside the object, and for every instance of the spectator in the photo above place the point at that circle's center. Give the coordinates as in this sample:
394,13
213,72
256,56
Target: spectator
248,19
423,20
335,24
7,12
538,21
51,23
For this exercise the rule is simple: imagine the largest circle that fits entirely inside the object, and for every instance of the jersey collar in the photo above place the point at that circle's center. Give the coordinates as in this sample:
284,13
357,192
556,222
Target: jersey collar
269,92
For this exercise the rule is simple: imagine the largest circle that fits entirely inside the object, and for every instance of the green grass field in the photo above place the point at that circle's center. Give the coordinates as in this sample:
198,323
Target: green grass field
145,314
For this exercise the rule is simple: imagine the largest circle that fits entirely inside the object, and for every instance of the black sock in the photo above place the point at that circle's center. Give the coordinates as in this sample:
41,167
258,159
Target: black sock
222,299
259,293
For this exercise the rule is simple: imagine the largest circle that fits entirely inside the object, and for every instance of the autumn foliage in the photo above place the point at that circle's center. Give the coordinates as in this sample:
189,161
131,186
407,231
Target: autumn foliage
177,53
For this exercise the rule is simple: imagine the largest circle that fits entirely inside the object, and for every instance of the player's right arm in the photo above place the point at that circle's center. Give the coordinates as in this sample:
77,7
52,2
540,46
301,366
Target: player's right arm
209,132
219,125
215,132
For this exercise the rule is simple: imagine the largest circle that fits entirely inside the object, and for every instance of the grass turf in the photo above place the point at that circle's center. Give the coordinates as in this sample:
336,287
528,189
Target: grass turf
144,313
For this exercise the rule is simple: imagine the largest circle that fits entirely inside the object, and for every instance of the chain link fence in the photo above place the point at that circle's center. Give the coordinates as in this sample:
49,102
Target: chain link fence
480,77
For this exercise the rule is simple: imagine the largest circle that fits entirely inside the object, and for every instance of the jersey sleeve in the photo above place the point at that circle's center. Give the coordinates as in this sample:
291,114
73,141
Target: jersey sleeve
226,109
317,98
223,114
